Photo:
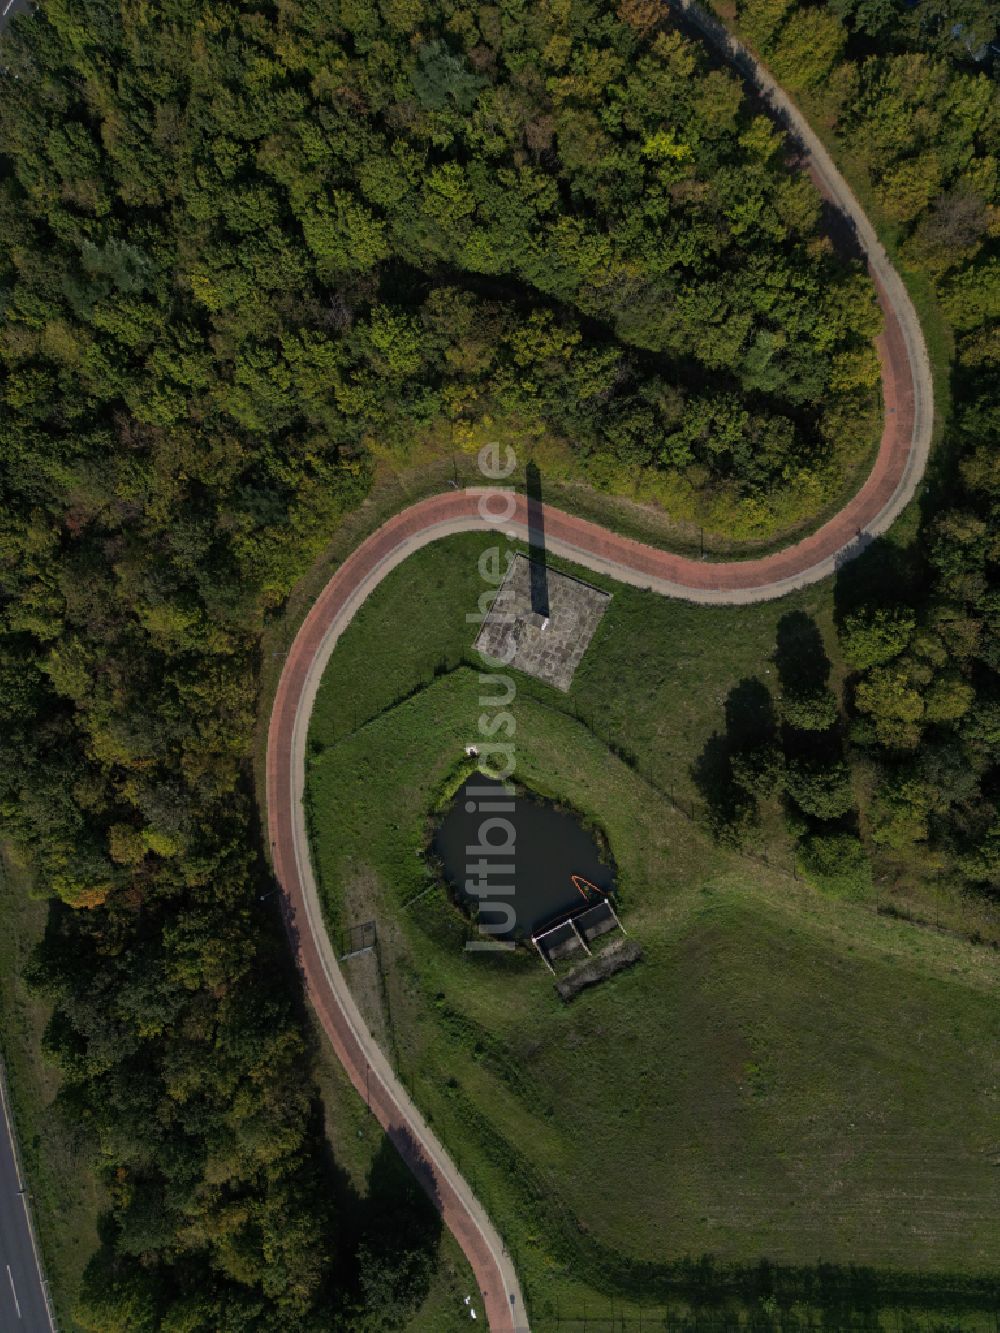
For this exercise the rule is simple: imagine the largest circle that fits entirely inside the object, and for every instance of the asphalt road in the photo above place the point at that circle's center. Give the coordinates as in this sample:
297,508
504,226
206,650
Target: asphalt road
23,1307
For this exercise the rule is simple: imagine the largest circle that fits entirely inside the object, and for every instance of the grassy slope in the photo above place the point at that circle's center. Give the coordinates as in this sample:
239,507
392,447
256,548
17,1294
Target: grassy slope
655,679
784,1075
658,668
65,1195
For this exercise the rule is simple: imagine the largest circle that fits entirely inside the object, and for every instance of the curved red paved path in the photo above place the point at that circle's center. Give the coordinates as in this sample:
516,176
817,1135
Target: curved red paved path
889,486
357,1051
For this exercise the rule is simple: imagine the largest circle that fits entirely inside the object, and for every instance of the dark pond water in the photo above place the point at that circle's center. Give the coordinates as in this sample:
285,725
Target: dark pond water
525,885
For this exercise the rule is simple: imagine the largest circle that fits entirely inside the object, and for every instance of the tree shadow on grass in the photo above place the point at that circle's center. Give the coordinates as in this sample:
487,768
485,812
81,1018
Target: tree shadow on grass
712,772
810,719
750,719
396,1234
750,723
883,575
800,655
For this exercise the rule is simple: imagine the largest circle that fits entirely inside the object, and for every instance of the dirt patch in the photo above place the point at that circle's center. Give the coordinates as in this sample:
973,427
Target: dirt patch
620,955
363,970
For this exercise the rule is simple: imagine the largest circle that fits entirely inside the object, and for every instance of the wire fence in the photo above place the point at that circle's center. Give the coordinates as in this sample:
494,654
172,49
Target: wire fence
356,939
766,1319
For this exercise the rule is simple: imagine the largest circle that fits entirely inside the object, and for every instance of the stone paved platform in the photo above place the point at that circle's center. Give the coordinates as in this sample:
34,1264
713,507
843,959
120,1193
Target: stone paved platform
550,646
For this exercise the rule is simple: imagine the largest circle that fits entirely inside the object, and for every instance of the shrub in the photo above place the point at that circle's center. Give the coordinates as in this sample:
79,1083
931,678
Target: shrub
837,864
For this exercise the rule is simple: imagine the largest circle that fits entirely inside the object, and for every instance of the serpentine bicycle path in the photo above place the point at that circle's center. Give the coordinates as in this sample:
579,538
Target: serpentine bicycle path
908,398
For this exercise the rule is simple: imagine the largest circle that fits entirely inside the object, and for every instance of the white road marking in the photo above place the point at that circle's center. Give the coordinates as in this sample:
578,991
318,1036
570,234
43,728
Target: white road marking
23,1191
7,7
17,1305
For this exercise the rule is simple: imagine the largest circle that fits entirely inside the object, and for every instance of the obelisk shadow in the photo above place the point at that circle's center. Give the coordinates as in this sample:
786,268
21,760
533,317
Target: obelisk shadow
536,541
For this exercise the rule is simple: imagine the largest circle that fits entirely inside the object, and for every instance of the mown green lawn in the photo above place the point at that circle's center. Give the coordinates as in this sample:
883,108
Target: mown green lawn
784,1076
655,677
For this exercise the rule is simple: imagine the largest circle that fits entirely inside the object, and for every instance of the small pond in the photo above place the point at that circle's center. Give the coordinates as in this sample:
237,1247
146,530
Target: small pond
550,846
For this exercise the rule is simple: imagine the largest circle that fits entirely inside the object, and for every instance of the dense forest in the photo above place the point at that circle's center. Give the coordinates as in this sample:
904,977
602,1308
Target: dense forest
909,92
247,248
355,226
